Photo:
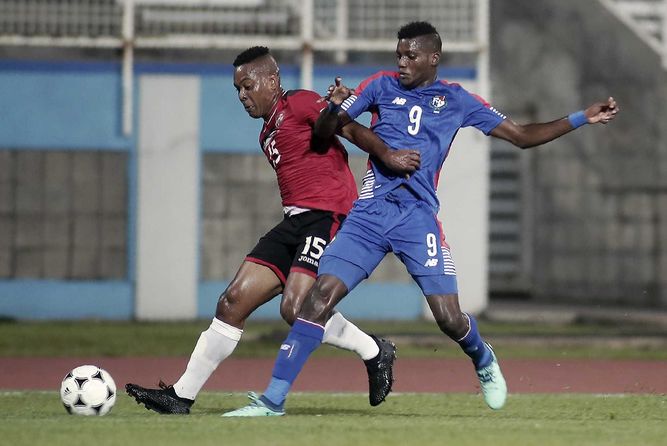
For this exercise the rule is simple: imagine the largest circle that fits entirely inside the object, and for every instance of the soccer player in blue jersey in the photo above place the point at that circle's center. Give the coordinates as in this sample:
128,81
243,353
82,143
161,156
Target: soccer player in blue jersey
411,108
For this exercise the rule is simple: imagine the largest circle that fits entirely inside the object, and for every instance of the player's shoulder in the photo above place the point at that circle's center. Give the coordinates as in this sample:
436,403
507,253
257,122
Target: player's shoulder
454,88
303,101
301,95
384,76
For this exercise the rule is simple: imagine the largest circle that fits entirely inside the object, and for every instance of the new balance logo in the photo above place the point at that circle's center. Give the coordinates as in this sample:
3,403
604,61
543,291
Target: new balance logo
431,262
399,101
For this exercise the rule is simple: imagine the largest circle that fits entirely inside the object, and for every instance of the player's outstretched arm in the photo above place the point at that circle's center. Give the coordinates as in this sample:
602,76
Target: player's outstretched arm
531,135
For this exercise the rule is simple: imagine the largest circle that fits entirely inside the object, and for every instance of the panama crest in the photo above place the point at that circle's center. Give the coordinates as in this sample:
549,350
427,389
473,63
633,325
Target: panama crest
438,103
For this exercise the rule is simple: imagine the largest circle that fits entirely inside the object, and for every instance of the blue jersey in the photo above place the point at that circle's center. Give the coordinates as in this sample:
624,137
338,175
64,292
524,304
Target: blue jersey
426,119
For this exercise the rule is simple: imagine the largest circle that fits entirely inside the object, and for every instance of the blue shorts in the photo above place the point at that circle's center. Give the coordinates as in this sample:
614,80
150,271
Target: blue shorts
396,222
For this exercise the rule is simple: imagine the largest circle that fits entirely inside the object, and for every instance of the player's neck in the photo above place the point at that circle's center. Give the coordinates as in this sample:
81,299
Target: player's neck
428,82
274,104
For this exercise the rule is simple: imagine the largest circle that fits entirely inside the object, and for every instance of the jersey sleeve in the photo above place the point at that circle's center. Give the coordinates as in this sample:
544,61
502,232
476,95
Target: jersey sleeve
478,113
307,106
363,97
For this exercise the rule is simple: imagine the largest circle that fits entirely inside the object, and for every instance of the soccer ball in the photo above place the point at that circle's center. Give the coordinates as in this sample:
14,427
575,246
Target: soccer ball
88,390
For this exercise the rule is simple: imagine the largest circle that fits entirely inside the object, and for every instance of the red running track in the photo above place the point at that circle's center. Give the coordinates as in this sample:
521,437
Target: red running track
349,374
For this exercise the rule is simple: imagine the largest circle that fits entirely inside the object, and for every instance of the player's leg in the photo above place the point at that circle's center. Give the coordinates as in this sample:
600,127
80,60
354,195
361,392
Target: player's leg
443,300
338,331
462,328
252,286
378,354
337,275
316,229
420,244
304,337
260,277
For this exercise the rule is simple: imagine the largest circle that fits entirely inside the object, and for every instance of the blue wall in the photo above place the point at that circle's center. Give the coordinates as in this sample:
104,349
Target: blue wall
77,105
60,106
51,299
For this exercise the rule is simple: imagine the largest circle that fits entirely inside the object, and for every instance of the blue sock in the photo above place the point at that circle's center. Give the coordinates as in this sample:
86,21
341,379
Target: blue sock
277,389
302,340
473,345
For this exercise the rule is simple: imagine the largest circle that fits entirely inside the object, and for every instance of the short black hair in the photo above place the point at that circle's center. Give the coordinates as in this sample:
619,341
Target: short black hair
250,54
418,29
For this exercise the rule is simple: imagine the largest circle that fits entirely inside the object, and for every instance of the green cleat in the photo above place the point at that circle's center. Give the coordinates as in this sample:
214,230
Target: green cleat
256,408
494,387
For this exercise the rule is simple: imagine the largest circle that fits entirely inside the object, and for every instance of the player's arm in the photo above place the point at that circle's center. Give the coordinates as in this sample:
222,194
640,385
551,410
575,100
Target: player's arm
333,120
531,135
402,162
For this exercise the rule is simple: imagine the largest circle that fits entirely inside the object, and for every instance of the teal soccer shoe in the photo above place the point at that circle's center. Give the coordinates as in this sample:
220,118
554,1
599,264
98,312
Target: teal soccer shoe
494,387
256,408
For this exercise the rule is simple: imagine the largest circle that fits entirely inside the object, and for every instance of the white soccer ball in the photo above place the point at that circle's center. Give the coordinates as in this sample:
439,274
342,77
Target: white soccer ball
88,390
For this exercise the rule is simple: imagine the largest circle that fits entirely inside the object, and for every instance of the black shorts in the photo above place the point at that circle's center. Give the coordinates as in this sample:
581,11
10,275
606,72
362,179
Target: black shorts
296,243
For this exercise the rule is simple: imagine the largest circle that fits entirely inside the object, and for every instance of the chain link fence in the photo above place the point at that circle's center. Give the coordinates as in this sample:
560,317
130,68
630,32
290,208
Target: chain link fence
24,20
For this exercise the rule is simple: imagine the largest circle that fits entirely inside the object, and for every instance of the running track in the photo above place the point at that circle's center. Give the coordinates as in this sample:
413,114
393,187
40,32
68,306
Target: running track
349,375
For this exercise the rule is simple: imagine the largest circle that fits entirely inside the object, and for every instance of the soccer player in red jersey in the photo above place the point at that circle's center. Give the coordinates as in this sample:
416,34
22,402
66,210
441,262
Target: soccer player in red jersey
317,190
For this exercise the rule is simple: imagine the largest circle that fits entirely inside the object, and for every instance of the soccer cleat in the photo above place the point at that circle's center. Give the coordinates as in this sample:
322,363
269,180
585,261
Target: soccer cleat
380,371
256,408
163,400
493,383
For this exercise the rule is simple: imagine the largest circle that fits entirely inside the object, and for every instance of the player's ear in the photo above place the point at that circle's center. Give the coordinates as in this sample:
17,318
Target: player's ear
435,58
274,82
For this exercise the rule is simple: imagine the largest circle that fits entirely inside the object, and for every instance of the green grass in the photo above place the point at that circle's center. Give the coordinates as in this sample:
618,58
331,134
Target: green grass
37,418
261,338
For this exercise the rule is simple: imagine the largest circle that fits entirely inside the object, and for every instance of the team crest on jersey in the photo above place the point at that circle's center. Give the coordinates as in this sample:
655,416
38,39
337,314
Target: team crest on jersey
438,103
279,119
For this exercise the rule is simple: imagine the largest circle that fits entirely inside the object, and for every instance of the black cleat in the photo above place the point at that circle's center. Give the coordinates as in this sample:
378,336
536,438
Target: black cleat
380,371
163,400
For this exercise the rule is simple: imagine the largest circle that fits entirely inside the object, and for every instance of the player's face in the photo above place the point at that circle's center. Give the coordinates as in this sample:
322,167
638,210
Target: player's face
417,62
256,89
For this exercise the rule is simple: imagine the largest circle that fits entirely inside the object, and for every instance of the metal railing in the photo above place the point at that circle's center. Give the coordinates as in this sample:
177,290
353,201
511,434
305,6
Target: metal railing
306,26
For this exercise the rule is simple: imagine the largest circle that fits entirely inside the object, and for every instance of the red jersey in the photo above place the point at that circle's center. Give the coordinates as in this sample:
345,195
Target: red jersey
306,179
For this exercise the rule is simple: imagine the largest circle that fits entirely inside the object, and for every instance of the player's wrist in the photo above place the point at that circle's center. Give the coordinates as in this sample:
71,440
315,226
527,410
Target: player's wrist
333,107
577,119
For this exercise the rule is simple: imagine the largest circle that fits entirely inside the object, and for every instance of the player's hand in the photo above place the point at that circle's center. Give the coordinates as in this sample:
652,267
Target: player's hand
602,112
338,92
402,162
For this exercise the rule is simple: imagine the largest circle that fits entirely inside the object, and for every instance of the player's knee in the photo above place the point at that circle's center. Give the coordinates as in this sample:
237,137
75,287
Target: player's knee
454,325
319,302
228,302
288,310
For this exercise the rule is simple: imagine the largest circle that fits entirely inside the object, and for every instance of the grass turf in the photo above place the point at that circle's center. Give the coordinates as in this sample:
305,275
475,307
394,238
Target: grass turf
37,418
